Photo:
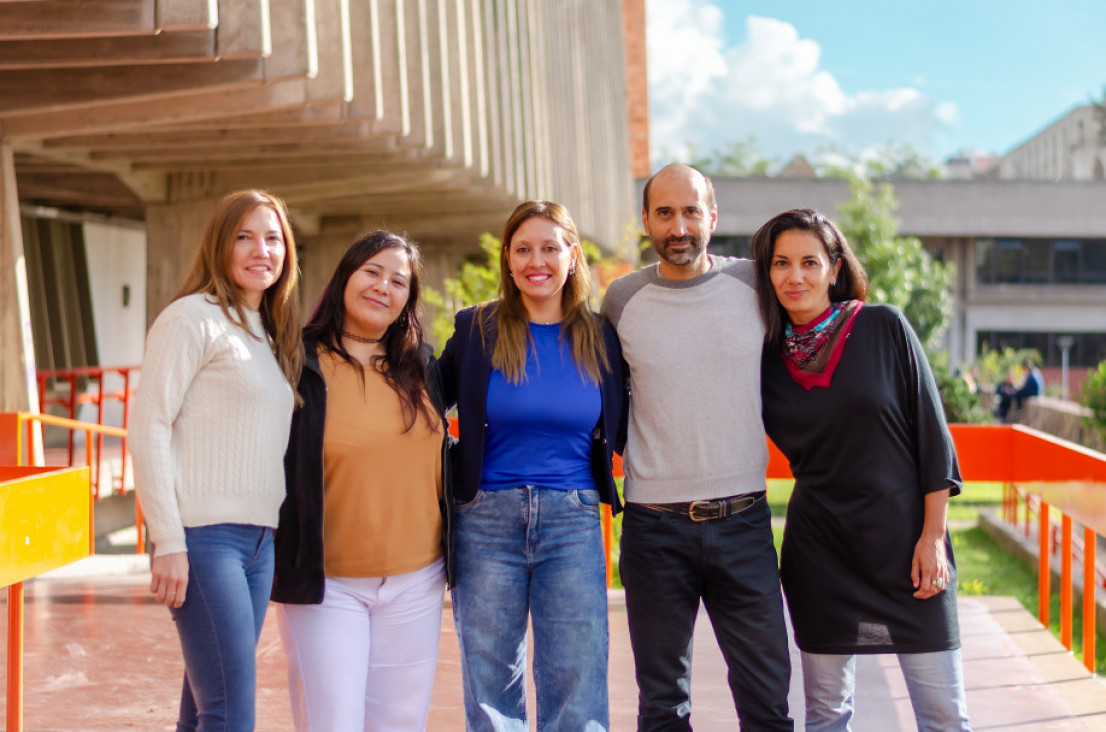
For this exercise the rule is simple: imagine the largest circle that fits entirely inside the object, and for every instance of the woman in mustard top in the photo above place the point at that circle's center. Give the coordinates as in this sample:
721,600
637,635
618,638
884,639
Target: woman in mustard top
360,565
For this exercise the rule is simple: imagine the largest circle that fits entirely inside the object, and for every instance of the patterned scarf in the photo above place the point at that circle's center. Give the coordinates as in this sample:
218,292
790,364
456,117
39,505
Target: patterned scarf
811,351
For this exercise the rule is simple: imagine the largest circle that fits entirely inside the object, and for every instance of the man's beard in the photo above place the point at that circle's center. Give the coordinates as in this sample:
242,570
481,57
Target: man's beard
685,257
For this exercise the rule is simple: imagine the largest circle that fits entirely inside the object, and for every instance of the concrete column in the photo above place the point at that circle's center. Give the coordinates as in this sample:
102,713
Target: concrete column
18,387
173,232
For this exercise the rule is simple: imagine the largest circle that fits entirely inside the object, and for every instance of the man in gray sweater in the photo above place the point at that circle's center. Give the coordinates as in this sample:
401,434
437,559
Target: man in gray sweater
697,525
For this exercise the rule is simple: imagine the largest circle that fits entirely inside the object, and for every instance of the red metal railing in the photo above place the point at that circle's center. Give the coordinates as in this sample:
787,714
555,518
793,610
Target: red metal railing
14,450
71,398
1043,473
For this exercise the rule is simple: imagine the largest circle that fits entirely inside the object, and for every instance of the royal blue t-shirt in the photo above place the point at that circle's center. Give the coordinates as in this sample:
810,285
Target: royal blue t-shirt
539,431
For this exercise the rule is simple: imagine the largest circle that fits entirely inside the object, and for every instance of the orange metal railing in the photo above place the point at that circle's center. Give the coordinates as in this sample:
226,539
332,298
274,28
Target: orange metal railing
71,398
1043,472
14,450
43,525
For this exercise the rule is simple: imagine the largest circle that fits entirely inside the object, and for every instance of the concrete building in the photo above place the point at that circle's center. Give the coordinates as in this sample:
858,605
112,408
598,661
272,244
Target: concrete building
1030,256
123,123
1071,148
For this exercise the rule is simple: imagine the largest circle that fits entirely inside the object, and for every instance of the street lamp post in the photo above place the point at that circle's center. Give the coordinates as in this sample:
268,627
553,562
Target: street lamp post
1065,343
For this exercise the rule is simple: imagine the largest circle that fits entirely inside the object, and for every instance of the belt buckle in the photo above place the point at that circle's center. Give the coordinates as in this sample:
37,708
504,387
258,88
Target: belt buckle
713,509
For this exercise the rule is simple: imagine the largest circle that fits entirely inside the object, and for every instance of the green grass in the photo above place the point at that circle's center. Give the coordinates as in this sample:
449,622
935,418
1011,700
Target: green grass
965,507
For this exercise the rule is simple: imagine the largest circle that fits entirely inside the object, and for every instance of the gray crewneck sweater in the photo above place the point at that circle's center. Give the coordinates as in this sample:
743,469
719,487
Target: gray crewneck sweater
693,348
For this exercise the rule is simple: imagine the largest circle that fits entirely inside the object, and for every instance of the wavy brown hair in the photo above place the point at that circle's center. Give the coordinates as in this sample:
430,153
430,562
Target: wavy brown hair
851,282
512,319
402,365
211,275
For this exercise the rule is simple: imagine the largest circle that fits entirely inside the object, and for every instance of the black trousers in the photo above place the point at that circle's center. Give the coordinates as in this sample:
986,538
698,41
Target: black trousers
668,564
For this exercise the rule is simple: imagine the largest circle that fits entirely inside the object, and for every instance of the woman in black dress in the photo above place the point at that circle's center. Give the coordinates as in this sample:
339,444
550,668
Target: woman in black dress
866,563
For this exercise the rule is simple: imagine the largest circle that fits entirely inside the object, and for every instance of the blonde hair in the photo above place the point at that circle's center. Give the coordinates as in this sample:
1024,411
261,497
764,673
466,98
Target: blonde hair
512,319
211,275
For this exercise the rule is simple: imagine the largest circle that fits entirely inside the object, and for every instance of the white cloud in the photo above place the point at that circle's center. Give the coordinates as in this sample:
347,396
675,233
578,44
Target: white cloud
771,86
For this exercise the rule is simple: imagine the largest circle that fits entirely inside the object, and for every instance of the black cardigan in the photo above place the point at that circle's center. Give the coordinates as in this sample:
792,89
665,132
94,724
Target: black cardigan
299,576
464,369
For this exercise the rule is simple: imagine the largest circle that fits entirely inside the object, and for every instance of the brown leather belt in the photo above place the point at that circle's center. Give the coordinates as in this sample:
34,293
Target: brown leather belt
708,510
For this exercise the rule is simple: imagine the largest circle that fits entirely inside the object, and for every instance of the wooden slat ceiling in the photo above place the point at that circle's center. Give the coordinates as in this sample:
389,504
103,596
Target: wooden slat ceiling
400,111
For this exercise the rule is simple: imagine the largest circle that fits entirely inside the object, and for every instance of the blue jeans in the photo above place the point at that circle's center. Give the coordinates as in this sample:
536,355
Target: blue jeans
533,551
669,564
230,575
935,682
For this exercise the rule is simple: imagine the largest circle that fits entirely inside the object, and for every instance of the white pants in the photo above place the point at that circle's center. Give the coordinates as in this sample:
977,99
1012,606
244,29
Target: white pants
365,658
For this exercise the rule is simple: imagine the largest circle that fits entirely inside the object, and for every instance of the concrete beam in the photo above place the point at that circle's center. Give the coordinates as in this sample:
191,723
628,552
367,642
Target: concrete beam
117,115
167,47
59,19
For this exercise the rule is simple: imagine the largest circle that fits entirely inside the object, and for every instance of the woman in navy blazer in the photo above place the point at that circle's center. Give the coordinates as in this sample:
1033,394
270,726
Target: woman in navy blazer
539,386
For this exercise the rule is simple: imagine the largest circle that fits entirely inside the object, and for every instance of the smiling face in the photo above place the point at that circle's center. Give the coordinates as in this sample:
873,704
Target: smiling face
801,274
539,259
377,292
257,258
679,221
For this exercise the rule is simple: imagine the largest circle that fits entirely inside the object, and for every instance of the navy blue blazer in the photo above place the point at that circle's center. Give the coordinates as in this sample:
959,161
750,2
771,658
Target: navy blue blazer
465,367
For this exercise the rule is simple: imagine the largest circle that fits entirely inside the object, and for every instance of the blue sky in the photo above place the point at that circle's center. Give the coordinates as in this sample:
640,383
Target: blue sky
804,76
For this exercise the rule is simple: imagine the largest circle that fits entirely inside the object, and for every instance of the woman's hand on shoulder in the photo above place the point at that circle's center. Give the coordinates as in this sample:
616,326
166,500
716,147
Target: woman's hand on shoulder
929,569
169,580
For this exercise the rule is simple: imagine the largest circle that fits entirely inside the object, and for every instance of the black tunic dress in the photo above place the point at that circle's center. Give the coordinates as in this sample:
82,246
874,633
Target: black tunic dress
864,453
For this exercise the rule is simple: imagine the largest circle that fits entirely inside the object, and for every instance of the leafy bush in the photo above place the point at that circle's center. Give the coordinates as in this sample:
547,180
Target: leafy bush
962,405
1094,399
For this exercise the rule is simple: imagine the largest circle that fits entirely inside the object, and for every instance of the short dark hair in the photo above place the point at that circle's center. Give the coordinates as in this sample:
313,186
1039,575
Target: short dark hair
851,282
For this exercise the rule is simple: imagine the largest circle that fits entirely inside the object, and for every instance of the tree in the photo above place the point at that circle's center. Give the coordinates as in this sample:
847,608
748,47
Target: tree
735,159
889,162
1094,398
900,271
477,282
961,403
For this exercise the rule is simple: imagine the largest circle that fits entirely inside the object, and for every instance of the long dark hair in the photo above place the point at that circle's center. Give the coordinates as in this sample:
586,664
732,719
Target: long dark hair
851,282
402,364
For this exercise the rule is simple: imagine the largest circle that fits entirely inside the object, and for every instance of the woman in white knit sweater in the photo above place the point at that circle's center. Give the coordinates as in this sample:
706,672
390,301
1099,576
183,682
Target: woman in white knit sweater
208,435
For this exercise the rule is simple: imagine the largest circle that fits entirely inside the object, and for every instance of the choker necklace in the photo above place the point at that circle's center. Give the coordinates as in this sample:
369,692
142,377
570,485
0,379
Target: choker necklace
361,339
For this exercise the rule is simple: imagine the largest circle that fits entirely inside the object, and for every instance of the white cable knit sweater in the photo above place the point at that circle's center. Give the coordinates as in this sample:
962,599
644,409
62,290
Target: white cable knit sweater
210,424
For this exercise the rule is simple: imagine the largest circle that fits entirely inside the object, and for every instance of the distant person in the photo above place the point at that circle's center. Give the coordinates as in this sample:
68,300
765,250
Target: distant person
697,527
360,568
1004,397
1033,385
208,434
849,398
537,381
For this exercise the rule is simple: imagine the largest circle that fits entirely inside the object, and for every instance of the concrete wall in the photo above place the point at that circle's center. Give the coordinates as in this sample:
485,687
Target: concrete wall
117,260
1068,149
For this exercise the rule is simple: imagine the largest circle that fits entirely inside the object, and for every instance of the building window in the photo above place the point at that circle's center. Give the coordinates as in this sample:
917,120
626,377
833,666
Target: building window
1040,261
1065,261
731,246
1088,350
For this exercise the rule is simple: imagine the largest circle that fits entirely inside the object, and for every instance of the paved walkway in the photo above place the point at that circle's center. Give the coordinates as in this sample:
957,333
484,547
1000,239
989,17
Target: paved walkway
101,655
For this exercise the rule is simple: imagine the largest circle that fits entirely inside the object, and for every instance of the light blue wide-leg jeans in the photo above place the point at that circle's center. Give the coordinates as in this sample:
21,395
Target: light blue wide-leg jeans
538,552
